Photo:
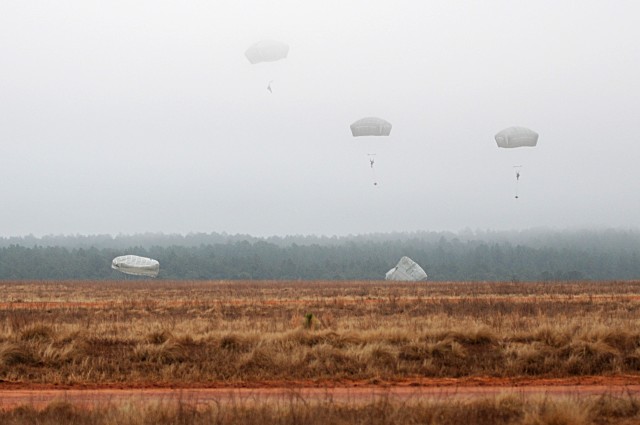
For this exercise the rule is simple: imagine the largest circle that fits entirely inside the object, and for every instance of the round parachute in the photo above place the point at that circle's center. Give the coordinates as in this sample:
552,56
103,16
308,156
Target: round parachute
516,137
371,126
135,265
267,51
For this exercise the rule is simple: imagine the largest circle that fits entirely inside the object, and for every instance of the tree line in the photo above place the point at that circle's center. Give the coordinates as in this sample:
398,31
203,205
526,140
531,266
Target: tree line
445,256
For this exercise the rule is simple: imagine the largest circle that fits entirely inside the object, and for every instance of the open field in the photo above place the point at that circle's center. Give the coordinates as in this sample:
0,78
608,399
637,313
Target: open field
141,333
137,335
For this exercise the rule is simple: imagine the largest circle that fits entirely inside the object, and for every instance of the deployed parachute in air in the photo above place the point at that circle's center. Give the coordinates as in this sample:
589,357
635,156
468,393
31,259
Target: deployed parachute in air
267,51
516,137
406,270
135,265
371,126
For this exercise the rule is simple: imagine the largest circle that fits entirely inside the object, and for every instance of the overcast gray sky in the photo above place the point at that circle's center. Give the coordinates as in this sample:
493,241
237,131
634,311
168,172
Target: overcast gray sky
135,116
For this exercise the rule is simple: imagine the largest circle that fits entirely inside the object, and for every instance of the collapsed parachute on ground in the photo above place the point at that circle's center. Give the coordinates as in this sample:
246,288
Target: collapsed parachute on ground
406,270
516,137
371,126
135,265
267,51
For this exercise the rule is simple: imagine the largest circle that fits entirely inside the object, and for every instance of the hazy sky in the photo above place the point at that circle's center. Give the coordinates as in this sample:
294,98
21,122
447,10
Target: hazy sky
135,116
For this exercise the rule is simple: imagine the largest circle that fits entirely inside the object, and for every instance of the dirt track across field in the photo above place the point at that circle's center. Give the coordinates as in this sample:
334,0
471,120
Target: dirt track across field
405,392
47,305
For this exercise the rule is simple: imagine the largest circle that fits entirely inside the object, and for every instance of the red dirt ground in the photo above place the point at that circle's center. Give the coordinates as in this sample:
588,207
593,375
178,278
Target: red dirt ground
38,396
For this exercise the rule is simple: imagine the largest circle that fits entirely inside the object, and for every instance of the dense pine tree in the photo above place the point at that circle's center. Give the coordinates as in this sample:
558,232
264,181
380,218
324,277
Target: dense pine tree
471,256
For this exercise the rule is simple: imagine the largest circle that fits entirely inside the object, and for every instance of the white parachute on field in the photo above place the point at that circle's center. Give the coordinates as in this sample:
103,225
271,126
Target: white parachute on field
267,51
516,137
406,270
135,265
371,126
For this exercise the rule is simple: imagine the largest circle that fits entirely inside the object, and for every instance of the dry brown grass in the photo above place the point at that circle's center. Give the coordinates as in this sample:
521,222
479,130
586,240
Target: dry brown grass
498,410
142,333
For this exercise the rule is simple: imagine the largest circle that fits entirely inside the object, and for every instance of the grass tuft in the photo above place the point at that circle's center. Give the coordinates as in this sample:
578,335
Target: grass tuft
12,354
159,337
37,332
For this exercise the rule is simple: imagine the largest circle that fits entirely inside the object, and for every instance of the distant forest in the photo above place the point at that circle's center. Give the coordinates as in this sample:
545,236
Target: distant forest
532,255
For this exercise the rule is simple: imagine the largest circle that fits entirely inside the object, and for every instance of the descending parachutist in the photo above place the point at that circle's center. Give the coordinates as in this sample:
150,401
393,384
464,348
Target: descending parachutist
517,167
372,161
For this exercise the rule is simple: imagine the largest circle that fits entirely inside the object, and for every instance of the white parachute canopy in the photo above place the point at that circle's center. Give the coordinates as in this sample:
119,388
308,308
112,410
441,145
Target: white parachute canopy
406,270
267,51
516,137
371,126
135,265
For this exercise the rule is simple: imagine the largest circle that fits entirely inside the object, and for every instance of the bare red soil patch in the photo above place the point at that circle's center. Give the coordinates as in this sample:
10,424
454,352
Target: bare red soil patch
410,391
39,396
